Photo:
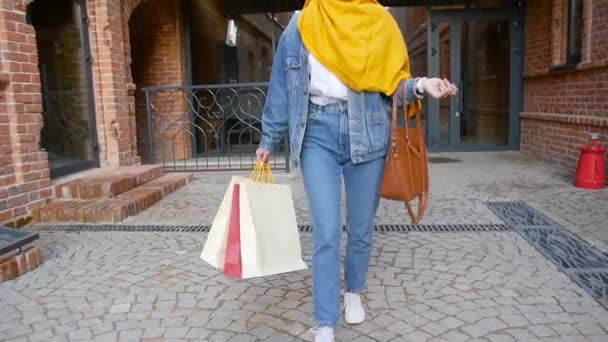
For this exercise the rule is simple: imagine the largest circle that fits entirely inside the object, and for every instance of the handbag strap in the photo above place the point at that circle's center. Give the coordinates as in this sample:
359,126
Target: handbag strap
423,201
423,198
407,108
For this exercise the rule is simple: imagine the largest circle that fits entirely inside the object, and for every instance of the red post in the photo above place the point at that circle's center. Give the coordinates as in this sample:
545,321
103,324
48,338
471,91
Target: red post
590,172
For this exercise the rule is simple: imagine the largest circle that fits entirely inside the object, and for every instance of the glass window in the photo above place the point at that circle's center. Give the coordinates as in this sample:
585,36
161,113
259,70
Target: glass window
575,31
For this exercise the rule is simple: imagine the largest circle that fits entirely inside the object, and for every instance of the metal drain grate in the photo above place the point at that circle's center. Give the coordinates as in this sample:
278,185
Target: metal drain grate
443,228
384,228
443,160
586,265
75,228
519,214
430,228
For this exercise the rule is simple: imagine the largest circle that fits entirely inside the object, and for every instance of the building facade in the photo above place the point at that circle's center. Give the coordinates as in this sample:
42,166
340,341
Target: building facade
71,74
532,76
565,78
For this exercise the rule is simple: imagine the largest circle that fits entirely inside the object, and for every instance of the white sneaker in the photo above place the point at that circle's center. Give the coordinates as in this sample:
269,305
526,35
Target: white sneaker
353,309
324,334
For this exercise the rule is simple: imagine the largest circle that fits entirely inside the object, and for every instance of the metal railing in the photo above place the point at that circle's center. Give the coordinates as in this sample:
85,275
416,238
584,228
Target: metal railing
207,127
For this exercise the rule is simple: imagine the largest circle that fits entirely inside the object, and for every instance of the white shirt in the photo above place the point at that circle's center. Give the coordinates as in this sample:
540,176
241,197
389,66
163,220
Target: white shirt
325,87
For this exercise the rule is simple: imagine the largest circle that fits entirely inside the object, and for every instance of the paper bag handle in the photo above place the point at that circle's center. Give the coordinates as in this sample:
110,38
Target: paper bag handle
262,173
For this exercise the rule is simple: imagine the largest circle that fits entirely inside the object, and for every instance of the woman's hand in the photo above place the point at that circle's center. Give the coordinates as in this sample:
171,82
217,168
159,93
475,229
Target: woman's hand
262,155
436,87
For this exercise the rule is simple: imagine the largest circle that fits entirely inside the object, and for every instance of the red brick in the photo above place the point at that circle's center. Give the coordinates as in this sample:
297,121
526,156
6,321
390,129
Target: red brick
17,201
5,215
19,264
79,212
19,211
9,269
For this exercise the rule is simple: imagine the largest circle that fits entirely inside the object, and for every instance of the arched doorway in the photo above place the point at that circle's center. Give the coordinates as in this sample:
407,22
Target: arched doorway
69,132
198,100
156,35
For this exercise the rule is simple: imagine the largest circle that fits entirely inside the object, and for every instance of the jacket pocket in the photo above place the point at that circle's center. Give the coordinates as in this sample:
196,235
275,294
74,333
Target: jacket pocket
293,66
293,62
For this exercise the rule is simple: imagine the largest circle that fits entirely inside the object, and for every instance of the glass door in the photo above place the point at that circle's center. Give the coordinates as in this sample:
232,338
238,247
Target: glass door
478,51
69,131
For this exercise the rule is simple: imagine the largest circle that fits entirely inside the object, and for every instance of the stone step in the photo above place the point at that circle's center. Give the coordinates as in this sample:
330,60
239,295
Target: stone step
104,183
116,209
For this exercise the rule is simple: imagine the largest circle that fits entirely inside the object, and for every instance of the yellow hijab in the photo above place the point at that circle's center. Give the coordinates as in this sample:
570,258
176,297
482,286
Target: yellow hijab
358,40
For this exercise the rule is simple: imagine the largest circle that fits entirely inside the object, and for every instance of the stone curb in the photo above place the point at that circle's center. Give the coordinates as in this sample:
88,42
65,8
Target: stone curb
21,263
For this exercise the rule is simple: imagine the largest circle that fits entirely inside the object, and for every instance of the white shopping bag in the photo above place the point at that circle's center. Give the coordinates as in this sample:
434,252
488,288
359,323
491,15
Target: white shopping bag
270,240
215,245
269,236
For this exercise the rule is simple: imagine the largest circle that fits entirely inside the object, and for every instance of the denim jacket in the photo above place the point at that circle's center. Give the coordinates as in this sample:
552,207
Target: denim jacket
286,107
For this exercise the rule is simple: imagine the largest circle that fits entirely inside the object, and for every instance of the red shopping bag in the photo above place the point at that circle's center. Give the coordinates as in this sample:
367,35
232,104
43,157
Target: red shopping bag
233,266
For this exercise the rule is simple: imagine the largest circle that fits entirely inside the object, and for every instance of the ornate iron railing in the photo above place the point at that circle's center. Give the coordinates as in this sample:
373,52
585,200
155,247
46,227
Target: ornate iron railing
206,127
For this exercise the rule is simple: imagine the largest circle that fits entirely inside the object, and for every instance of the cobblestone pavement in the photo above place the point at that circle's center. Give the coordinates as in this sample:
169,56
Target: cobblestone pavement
422,286
490,286
458,193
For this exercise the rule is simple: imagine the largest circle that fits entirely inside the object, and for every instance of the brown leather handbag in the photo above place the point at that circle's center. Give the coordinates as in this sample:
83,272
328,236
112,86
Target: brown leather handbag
406,176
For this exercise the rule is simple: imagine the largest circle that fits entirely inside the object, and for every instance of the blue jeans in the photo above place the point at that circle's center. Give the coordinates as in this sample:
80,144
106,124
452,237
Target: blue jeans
325,161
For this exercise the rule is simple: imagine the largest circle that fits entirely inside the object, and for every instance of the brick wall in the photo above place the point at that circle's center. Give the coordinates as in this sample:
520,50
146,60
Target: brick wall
114,89
24,166
24,173
561,108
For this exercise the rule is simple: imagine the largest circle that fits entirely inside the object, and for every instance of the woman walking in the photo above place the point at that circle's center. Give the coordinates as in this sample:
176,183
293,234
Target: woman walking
336,65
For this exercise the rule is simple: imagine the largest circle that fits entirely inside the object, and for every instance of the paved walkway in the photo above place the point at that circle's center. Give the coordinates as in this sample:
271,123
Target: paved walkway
435,286
489,286
458,194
